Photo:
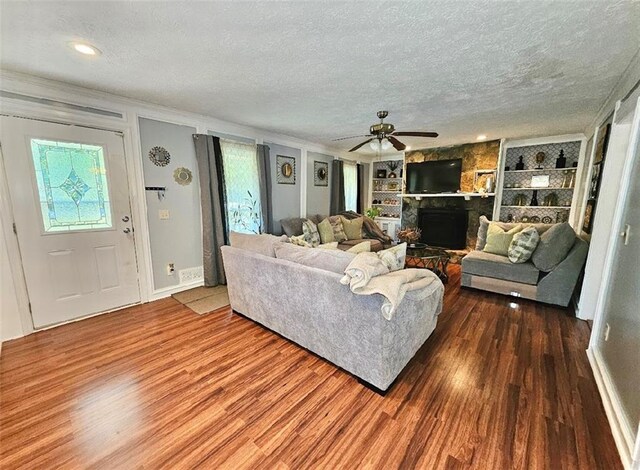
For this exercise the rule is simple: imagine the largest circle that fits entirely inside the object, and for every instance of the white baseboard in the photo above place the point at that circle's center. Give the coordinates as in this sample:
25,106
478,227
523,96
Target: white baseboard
621,429
168,291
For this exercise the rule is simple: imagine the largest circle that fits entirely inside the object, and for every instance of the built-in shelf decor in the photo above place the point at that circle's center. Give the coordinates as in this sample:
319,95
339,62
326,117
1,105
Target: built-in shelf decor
553,185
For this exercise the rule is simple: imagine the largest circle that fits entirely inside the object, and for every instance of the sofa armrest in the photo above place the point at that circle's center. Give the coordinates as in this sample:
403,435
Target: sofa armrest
558,285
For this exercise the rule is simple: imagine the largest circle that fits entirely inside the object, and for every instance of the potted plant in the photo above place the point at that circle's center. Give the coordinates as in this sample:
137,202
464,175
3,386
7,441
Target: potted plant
372,212
410,235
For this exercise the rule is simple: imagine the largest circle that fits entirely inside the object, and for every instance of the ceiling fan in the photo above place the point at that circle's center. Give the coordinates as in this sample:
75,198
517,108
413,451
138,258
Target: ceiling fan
384,136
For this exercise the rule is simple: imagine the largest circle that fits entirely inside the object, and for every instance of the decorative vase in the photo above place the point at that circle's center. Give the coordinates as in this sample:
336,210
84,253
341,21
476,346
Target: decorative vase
392,175
561,161
534,198
520,164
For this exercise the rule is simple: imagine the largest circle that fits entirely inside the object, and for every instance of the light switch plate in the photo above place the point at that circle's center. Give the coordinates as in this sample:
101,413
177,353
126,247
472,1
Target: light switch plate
163,214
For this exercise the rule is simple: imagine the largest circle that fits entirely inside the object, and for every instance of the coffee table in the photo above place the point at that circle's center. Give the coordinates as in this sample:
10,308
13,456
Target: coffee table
420,255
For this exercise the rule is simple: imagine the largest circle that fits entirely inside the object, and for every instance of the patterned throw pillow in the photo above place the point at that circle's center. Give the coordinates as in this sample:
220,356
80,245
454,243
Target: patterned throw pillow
299,240
361,247
353,228
310,233
326,231
394,257
498,240
523,245
338,229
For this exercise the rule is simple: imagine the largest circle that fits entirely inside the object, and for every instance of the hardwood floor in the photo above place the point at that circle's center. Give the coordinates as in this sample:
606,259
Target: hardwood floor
500,384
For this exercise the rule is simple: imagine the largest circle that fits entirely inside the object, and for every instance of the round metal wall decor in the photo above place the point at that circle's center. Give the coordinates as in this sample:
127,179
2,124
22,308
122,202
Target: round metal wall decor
159,156
183,176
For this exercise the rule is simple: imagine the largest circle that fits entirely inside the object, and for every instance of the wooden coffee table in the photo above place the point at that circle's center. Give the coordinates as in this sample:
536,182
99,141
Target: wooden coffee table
420,255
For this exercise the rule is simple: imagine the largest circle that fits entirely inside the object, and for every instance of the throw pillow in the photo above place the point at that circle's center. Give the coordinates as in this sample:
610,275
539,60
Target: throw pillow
310,233
353,228
338,228
481,241
554,247
292,227
394,257
263,244
498,240
523,245
329,246
326,231
362,247
299,240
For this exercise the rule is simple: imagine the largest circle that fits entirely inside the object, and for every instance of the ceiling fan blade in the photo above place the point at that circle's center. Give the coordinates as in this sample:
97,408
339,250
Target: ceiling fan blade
396,143
360,145
350,137
417,134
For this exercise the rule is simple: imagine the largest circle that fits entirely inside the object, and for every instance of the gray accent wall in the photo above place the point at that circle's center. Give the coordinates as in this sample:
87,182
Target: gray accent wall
318,197
177,240
286,197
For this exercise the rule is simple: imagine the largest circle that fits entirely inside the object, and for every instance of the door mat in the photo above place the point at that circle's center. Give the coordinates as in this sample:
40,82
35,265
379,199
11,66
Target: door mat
204,299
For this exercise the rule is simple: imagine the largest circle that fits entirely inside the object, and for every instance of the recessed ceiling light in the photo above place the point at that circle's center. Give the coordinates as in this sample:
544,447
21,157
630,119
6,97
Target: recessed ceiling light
84,48
481,137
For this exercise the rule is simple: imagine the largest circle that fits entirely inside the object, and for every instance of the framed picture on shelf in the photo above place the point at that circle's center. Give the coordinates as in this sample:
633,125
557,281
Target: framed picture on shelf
540,181
381,173
589,212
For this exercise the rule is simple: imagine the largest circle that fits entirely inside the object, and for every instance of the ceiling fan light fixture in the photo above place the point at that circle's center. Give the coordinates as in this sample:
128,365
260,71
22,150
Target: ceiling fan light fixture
481,137
385,144
375,145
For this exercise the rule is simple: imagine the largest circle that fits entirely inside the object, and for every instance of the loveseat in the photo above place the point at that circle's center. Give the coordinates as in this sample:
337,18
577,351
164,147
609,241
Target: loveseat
496,273
309,306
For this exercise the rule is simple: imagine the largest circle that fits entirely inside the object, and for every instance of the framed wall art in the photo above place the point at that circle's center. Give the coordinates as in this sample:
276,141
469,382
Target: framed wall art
320,173
285,170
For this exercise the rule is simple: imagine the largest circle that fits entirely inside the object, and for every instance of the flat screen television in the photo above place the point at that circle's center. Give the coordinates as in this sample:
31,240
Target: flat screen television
437,176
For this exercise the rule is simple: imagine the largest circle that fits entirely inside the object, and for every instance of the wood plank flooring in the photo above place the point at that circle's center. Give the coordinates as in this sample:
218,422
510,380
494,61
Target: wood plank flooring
498,385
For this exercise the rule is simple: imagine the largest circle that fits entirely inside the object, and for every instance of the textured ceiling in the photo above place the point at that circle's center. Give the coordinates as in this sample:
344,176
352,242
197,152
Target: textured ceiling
320,70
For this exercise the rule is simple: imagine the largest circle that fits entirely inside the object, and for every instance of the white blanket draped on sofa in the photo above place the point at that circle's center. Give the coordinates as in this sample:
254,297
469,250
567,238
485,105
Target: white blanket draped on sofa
367,275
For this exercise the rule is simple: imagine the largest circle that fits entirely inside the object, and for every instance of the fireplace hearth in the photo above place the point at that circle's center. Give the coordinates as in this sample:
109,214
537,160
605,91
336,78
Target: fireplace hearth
445,227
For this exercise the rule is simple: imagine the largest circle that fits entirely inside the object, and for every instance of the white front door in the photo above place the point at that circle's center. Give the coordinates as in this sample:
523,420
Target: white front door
70,198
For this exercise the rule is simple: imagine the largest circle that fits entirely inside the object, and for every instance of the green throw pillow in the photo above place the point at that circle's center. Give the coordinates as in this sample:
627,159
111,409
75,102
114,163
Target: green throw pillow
310,233
498,240
353,228
523,245
326,231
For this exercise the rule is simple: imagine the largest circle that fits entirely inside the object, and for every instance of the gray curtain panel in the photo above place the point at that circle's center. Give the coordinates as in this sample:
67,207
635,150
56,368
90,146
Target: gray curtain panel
337,203
360,197
212,201
264,174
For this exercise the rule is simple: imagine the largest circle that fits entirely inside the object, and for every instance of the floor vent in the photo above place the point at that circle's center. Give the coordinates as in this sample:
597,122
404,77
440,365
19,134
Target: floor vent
190,275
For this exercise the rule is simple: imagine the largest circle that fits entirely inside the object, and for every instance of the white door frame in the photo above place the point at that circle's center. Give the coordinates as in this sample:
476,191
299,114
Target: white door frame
138,213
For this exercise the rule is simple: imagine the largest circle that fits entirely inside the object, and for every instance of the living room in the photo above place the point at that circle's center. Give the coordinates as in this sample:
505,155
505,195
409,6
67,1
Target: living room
467,228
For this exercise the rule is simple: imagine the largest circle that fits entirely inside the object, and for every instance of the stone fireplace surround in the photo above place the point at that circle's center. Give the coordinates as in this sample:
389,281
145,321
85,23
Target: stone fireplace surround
477,156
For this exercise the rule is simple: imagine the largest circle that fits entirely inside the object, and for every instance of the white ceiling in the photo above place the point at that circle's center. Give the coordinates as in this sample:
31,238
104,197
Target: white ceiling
321,70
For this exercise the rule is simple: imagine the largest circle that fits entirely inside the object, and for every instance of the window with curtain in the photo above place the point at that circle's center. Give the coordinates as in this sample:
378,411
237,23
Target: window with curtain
242,186
350,187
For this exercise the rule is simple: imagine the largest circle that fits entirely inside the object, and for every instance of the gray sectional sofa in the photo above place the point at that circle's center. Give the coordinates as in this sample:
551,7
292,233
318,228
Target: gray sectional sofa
495,273
309,306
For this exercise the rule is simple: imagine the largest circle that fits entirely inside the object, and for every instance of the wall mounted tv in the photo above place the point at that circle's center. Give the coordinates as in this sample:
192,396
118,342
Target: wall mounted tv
437,176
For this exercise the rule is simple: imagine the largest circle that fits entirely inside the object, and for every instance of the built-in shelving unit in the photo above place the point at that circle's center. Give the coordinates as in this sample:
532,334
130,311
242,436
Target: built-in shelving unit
557,197
464,195
386,195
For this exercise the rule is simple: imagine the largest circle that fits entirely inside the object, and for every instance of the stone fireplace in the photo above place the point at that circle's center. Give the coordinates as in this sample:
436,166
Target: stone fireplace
446,228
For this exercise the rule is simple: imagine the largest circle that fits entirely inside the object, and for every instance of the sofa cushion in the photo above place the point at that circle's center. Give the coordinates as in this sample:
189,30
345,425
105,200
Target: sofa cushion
263,244
481,263
394,258
553,247
335,261
523,245
353,228
310,232
292,226
362,247
326,231
484,226
498,240
376,245
328,246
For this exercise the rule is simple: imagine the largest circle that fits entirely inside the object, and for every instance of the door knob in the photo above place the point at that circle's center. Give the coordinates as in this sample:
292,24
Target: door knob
127,230
125,218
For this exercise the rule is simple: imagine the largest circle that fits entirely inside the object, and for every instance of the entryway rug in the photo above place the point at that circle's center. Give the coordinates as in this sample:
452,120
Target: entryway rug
204,299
